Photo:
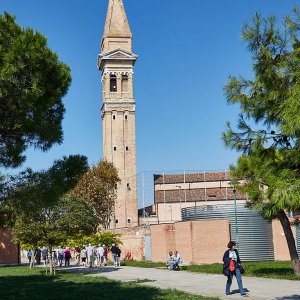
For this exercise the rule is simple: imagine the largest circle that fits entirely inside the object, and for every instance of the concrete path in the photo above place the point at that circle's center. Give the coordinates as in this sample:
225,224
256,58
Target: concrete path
205,284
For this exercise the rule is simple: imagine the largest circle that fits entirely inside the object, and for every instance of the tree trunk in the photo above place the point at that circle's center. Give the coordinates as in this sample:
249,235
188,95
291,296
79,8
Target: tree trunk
50,260
285,223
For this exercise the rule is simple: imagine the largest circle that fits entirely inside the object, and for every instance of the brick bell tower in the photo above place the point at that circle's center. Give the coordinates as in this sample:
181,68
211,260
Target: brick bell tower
116,63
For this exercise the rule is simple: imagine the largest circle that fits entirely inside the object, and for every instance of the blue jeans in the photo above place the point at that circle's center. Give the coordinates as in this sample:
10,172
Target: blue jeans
238,276
170,265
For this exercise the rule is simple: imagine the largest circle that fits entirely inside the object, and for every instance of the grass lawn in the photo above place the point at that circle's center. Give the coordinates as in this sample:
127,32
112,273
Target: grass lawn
24,283
267,269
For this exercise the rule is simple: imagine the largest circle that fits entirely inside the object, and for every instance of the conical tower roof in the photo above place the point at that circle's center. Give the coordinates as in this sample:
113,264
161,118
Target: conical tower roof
116,24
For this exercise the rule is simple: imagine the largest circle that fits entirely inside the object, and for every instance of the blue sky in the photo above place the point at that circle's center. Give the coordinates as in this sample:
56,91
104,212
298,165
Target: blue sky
186,49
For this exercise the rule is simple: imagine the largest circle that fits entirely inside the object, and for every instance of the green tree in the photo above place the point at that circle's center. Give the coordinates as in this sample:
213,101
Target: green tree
268,130
98,186
107,238
43,214
32,84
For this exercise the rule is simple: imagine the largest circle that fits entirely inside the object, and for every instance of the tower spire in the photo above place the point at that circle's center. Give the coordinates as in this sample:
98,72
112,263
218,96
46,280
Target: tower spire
117,33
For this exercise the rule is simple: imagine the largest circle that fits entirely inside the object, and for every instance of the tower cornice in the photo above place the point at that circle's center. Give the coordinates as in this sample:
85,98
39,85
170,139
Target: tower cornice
116,54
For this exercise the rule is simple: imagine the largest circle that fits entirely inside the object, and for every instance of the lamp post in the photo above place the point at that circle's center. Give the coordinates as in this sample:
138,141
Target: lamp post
179,187
234,183
170,206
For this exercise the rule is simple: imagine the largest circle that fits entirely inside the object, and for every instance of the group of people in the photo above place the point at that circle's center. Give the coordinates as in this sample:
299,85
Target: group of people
37,255
89,256
97,256
174,261
92,256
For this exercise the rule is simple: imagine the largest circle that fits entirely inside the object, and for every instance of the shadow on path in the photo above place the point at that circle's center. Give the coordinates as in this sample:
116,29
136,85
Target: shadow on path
84,270
70,286
293,297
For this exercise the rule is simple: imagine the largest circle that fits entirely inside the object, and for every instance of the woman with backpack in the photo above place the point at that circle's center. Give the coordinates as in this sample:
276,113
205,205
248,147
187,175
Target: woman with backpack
231,267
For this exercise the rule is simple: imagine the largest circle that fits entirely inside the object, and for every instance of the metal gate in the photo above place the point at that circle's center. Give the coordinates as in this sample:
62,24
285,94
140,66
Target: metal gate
255,234
147,252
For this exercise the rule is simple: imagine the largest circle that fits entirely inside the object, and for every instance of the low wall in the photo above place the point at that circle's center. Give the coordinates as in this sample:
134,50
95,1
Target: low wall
281,251
197,241
8,250
162,241
133,241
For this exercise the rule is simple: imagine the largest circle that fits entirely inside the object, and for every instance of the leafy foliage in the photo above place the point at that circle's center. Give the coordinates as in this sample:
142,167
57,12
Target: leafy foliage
270,163
98,186
43,215
32,84
106,237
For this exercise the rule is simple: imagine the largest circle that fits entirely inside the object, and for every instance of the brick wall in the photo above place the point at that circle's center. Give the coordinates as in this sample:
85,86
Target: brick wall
196,241
8,250
209,240
133,241
281,251
183,237
162,241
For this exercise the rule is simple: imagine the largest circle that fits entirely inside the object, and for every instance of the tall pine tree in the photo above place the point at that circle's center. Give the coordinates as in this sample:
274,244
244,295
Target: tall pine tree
268,130
32,84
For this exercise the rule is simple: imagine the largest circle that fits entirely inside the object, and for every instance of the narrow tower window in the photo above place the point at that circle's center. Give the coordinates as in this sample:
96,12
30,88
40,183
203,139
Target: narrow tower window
115,148
126,148
126,117
114,117
113,83
124,83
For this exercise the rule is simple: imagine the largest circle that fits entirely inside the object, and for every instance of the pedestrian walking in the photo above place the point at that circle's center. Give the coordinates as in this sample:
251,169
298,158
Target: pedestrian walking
77,255
60,255
29,255
45,255
114,253
90,255
83,256
100,255
68,256
37,255
231,267
118,256
105,253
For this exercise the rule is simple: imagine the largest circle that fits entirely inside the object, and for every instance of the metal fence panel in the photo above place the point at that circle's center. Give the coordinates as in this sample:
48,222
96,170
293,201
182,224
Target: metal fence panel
148,256
254,232
298,239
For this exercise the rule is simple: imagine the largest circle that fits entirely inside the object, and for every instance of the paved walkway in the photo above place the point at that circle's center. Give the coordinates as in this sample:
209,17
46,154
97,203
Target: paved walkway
205,284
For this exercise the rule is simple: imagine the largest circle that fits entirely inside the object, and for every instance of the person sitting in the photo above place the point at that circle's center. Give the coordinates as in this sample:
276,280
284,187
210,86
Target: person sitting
170,262
177,261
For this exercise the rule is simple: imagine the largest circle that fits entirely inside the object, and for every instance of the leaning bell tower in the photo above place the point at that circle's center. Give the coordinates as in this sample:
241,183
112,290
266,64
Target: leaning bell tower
116,63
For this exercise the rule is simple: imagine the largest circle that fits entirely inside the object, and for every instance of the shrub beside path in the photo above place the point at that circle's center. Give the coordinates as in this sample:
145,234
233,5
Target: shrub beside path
205,284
